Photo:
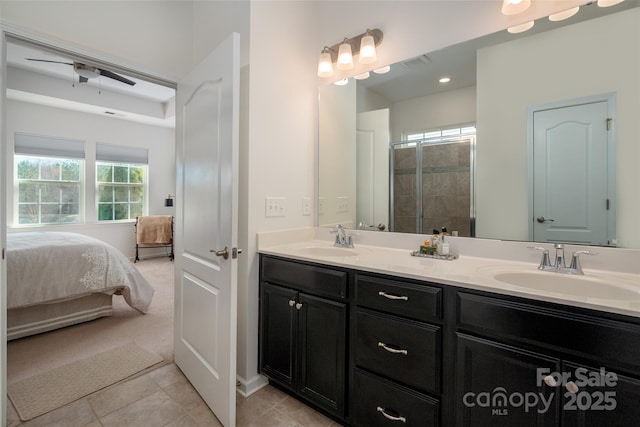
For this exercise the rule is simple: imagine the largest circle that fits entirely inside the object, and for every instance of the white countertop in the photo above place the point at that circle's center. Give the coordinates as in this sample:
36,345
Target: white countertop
467,272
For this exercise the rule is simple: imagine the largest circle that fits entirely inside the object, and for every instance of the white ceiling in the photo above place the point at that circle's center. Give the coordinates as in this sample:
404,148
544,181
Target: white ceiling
58,85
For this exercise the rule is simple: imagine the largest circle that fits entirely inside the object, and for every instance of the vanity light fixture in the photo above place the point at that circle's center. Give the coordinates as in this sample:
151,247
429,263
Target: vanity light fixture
565,14
520,28
362,76
345,57
341,82
514,7
607,3
342,53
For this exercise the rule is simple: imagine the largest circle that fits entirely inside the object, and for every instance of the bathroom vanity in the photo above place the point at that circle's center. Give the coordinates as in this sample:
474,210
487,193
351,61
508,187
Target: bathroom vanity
427,344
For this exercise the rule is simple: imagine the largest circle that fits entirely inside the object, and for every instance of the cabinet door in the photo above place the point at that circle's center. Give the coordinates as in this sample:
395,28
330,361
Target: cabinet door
321,334
599,399
277,333
499,385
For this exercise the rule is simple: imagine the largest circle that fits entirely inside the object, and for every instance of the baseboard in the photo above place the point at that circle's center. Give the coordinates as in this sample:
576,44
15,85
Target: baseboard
247,387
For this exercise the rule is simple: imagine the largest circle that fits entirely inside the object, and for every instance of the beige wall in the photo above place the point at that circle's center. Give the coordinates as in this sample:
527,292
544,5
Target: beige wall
590,58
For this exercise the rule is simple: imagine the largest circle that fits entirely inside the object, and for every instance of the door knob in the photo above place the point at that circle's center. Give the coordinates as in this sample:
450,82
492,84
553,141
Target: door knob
542,219
224,253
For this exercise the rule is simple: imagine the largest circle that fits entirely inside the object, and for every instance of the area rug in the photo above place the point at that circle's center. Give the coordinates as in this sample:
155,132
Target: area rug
60,386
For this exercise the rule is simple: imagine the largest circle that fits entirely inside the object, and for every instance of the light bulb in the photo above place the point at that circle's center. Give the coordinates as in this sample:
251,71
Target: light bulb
325,64
513,7
345,58
368,50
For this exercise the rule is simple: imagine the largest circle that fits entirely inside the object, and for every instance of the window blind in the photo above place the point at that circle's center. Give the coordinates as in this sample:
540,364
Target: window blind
119,153
36,145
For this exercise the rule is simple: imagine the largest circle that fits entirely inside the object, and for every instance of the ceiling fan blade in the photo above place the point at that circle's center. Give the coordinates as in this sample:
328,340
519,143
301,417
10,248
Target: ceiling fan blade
46,60
115,76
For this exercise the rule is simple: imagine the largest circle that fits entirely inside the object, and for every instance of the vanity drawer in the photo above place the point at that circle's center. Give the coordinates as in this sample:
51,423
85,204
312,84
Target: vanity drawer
314,279
573,332
374,397
421,302
402,350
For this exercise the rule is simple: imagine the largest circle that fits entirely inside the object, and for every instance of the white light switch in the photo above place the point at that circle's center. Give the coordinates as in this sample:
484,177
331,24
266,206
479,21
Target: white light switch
275,206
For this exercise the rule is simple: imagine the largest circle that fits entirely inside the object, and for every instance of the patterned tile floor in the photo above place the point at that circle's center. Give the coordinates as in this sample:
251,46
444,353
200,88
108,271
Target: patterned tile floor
164,397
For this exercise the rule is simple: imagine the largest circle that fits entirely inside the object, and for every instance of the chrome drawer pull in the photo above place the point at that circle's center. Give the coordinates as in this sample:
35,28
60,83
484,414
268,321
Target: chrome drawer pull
391,350
394,297
390,417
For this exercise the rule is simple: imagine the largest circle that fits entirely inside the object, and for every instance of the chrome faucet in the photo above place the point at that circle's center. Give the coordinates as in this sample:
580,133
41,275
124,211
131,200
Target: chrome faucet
559,265
342,238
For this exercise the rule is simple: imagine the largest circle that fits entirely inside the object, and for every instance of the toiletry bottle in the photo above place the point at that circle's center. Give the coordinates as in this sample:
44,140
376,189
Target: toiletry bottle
435,239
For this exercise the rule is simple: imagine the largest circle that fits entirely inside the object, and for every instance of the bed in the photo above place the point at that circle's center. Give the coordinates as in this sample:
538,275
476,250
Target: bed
57,279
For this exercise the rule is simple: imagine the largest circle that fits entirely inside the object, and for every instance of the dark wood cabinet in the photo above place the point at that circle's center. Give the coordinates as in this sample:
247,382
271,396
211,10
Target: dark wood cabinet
303,336
376,350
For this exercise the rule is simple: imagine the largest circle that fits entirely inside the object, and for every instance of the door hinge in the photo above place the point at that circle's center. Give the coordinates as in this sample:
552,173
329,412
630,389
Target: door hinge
607,204
609,122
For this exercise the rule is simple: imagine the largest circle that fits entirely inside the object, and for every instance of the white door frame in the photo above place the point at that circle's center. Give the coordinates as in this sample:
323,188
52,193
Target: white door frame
15,32
610,99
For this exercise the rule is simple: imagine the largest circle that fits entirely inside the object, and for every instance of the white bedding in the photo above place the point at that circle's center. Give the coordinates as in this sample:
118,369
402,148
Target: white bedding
57,266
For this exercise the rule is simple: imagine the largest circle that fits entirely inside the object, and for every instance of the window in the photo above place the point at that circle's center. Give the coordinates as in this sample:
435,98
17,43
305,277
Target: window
121,179
121,188
48,189
49,180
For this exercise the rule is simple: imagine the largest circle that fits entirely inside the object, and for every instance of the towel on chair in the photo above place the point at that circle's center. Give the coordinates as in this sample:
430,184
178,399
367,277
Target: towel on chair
154,230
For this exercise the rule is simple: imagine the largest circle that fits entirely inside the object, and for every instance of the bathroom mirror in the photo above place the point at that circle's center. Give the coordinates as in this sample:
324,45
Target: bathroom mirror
594,55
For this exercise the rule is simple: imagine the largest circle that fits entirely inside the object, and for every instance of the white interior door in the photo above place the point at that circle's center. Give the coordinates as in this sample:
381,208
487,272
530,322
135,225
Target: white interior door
570,177
207,141
372,169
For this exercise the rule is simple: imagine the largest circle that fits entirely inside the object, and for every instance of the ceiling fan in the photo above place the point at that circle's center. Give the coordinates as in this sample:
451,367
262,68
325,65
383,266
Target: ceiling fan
86,72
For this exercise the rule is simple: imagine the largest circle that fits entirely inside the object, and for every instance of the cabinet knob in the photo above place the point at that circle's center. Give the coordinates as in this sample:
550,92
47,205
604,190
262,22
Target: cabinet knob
389,416
550,381
292,303
572,387
299,306
391,349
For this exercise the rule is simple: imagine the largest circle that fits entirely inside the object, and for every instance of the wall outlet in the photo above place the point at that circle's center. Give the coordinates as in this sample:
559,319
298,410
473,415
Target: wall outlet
274,206
342,204
306,206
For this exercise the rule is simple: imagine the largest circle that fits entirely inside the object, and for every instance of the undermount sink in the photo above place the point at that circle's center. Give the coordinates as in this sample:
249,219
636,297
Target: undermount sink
580,286
328,251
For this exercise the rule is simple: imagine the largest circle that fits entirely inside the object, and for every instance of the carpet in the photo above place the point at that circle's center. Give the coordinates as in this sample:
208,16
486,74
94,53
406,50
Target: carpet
60,386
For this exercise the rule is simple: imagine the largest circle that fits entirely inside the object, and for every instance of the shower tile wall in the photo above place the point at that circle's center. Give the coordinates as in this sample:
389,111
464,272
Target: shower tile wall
404,189
446,188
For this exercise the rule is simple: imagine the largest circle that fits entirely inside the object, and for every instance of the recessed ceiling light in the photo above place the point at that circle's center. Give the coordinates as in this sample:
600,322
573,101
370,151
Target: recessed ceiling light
445,79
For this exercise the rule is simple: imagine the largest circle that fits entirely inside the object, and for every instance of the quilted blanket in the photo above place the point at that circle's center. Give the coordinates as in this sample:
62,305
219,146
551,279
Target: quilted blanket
56,266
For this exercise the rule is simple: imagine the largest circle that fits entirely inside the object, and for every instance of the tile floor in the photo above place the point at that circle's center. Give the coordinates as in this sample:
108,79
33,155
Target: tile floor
164,397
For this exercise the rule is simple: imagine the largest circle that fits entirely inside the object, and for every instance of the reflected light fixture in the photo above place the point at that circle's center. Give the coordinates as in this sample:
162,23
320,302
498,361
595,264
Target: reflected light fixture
520,28
607,3
565,14
514,7
362,76
341,82
382,70
342,53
